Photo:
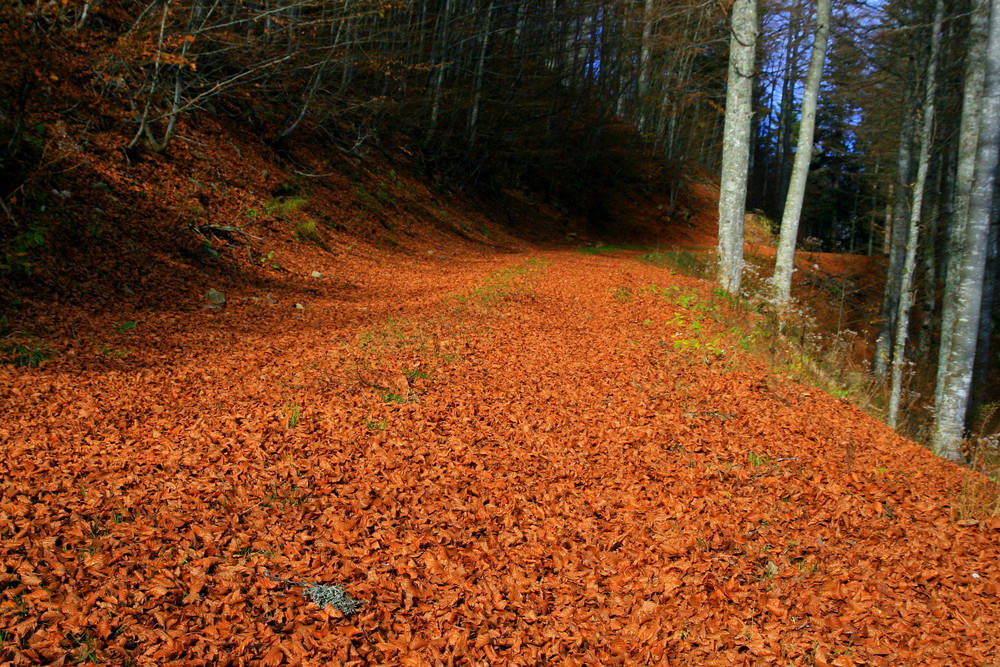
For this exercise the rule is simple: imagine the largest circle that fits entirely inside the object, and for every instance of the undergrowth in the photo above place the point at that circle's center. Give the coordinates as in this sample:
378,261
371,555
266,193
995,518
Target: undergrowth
685,262
305,232
979,495
283,207
790,342
25,352
15,255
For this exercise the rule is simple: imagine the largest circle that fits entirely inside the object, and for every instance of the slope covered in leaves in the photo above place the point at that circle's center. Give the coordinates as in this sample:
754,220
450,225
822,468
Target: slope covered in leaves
545,458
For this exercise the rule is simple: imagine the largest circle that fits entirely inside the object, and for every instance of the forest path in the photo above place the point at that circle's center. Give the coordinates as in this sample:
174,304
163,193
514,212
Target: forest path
510,459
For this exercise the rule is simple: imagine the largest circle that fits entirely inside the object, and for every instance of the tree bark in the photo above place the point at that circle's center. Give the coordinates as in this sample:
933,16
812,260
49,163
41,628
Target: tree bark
981,370
897,244
968,141
441,38
949,427
781,283
480,67
786,111
736,143
645,50
910,264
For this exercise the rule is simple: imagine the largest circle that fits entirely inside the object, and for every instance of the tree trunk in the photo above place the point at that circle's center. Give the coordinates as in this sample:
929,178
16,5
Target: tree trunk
909,266
975,73
781,283
736,143
786,111
439,63
887,237
929,281
980,373
480,67
645,50
897,245
949,427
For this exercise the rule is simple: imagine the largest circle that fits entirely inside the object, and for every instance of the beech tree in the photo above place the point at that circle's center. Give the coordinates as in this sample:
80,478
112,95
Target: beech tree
785,257
925,137
968,142
736,143
200,51
956,379
780,74
522,93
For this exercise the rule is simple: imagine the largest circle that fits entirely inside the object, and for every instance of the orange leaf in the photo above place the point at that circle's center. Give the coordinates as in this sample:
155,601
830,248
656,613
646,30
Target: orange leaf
274,657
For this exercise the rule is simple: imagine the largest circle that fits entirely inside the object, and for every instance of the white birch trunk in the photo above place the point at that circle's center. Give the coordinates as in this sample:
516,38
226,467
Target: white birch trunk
910,264
949,424
781,283
736,143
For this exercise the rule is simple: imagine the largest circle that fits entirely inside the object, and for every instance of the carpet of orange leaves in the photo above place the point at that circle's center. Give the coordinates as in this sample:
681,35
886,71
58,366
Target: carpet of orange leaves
507,457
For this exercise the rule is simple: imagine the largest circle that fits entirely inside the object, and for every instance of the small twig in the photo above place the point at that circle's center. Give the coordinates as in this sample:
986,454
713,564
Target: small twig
225,230
6,210
370,384
270,576
307,175
235,148
190,140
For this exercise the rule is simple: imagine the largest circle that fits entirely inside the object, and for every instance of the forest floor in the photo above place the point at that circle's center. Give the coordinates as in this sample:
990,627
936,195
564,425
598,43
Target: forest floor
523,457
246,388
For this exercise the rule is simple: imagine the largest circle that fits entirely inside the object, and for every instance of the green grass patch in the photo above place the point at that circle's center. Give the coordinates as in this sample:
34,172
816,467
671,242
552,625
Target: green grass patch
395,334
680,261
380,424
282,207
306,232
503,284
293,414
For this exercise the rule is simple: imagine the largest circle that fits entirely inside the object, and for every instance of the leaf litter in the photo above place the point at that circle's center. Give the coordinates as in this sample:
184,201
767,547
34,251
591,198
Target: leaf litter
506,462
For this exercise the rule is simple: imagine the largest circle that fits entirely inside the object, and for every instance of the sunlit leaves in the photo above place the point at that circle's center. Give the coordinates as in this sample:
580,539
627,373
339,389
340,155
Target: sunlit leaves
560,486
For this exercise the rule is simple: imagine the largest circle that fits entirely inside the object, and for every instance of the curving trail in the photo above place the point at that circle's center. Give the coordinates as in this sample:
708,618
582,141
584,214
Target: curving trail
553,458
